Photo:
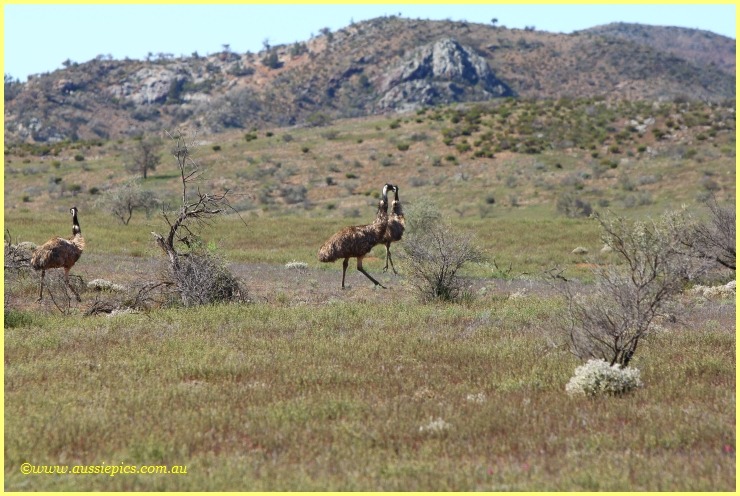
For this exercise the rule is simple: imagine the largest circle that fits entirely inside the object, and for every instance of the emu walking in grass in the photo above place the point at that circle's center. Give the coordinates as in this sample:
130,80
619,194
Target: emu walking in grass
60,253
394,230
357,241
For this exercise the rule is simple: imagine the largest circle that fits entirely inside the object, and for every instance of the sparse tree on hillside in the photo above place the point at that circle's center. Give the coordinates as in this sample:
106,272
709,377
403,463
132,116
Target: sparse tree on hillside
122,201
145,156
12,87
271,60
327,32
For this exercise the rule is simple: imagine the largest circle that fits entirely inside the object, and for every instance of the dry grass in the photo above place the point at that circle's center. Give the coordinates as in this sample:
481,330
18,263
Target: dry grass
347,396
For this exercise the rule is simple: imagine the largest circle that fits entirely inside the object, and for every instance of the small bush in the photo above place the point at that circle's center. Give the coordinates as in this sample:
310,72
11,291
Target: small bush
17,318
597,377
435,252
572,206
435,427
293,194
294,265
104,285
203,278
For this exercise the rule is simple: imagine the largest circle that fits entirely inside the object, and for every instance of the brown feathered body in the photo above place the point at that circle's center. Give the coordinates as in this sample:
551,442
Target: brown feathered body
357,241
60,253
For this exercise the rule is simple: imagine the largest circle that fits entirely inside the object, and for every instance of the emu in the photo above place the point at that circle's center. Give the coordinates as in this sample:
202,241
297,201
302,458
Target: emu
60,253
394,230
357,241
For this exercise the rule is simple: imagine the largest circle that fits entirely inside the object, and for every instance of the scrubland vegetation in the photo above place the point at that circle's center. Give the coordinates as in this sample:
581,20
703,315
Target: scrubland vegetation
303,386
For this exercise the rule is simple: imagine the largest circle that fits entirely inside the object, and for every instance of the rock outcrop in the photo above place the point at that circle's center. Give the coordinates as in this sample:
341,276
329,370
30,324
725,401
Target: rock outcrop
441,72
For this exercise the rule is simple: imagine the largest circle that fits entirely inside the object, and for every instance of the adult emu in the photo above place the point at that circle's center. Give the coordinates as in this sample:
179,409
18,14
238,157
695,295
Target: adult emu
60,253
357,241
394,230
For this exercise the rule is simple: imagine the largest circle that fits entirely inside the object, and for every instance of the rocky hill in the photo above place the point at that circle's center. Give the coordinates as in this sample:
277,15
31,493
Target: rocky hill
382,65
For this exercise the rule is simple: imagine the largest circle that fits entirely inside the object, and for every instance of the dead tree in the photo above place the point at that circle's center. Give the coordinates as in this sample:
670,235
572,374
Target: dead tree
195,210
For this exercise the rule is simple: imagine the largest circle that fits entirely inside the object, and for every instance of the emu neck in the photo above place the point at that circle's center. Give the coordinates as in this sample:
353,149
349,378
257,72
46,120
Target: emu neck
76,229
382,211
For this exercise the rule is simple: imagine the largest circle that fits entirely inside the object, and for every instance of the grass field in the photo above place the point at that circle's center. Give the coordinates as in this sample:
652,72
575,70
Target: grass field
309,387
348,395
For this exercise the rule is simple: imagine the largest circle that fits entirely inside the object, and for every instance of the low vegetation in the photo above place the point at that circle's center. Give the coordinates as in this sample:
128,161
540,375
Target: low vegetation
285,382
348,395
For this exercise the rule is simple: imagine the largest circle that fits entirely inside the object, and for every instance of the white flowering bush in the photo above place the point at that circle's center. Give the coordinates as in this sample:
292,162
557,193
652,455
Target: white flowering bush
435,426
105,285
294,265
713,292
597,377
479,398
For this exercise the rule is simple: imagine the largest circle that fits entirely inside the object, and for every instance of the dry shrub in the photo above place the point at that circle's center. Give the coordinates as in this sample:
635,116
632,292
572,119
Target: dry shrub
434,254
609,320
715,238
201,278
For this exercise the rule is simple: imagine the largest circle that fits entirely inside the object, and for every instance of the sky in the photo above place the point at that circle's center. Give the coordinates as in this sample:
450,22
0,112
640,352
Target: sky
39,38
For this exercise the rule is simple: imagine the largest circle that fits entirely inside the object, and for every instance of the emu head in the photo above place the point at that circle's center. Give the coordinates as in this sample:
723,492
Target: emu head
387,187
75,223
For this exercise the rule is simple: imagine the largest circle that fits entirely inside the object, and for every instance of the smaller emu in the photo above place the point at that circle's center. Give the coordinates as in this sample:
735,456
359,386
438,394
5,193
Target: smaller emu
357,241
394,230
60,253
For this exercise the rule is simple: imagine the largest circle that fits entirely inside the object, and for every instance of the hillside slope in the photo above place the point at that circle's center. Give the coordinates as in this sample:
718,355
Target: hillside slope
350,73
699,47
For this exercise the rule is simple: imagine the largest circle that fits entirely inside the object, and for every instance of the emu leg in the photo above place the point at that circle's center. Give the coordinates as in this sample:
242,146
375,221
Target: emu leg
66,279
359,267
389,258
344,269
41,289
